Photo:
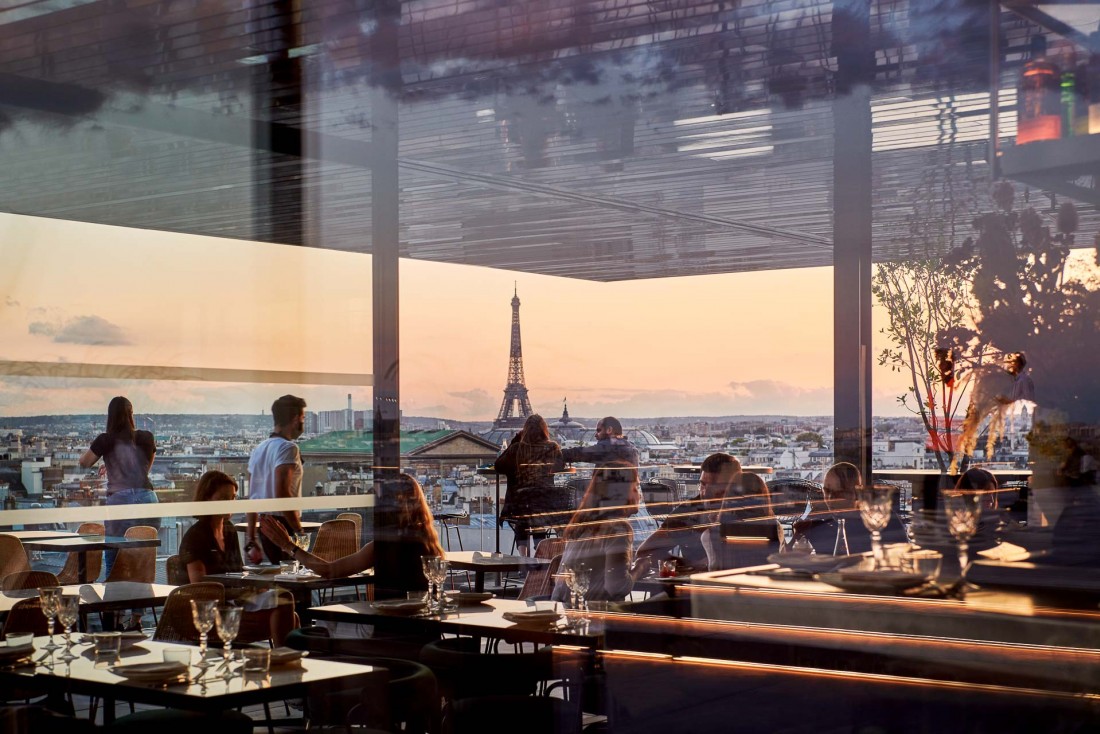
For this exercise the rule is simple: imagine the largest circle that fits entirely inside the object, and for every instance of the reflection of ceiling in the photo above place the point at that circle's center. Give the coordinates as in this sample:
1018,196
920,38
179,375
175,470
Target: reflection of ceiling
599,139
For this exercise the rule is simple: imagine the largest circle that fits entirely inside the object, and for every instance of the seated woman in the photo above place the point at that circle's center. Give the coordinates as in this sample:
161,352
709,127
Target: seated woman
599,536
825,532
395,552
211,546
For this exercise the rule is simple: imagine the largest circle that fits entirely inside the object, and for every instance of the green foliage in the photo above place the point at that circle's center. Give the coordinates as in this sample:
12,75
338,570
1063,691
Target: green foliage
809,437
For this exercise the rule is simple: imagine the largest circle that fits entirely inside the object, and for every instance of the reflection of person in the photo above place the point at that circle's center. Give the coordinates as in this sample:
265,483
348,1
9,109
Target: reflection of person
394,554
981,482
210,546
686,523
611,446
128,455
275,470
1078,469
599,536
1022,386
529,462
824,532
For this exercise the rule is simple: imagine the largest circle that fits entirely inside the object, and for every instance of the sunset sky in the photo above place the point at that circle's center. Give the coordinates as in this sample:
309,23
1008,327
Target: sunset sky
746,343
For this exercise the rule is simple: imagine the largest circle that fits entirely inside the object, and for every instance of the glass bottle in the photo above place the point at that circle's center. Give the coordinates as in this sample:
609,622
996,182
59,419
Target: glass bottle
1068,89
1038,98
1093,82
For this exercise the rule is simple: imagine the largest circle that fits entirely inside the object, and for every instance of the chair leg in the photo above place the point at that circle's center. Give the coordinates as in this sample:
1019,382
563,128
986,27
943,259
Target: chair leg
270,723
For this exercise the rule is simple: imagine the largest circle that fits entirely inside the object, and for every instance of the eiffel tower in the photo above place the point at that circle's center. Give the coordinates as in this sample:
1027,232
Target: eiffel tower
516,406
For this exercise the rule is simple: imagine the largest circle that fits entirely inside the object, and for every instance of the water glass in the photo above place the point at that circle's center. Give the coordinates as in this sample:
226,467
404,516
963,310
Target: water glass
177,656
107,645
926,563
257,660
288,568
302,540
19,639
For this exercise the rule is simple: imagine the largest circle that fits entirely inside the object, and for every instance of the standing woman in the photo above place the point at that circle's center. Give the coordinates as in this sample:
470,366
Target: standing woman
532,502
128,455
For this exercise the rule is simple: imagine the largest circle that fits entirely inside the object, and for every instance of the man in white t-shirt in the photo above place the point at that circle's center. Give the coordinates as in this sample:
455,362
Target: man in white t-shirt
275,468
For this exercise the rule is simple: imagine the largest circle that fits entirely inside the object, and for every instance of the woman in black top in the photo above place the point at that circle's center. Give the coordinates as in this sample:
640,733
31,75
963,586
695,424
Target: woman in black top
211,546
532,503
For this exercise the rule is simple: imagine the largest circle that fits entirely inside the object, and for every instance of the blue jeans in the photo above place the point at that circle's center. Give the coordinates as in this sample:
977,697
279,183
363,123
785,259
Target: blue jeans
119,527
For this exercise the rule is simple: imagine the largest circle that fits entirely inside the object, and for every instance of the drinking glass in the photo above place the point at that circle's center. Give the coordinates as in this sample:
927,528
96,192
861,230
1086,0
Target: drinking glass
302,540
228,622
426,567
582,579
68,611
570,578
50,599
875,503
963,512
438,567
202,614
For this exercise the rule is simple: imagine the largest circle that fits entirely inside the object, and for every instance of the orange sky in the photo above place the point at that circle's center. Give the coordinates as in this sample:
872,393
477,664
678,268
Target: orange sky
707,345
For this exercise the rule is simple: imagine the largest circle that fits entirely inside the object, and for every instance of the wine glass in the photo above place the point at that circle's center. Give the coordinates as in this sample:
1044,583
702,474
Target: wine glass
302,540
228,622
50,599
426,567
438,567
875,503
569,576
582,579
68,611
202,614
963,512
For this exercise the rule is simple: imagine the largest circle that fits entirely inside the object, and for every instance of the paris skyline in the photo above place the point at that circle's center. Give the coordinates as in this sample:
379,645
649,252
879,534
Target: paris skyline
755,343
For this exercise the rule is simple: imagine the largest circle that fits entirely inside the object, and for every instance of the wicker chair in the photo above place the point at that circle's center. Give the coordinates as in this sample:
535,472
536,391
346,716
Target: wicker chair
175,572
136,564
13,558
70,573
540,581
175,623
256,624
28,580
336,539
26,616
356,518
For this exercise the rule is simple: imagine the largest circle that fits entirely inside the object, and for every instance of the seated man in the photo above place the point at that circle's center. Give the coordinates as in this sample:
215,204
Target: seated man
685,524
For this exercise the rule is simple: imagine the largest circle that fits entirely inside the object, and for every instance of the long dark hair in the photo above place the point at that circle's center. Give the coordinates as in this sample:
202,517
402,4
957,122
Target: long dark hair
535,430
413,514
120,418
611,497
208,486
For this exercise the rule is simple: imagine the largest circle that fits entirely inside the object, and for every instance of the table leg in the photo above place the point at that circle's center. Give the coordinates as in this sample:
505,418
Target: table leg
496,515
479,581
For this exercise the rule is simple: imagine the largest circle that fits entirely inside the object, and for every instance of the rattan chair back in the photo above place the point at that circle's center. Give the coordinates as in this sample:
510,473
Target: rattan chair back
28,580
335,539
356,518
13,558
26,617
70,574
176,624
136,564
175,571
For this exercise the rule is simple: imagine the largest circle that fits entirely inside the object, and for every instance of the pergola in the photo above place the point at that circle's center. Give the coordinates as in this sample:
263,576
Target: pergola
595,139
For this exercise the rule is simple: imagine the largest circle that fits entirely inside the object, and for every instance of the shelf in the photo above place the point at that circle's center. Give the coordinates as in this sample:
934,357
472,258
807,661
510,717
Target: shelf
1054,165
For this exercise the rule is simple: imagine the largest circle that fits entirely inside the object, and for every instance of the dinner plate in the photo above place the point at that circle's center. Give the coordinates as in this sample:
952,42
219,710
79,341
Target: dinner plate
287,656
470,597
131,638
149,672
873,582
9,655
812,563
400,606
533,619
266,570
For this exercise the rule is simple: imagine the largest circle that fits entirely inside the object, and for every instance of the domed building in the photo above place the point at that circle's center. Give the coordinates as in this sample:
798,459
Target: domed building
565,428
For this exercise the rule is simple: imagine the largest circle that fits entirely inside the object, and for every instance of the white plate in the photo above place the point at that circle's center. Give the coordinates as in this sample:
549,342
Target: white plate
812,563
400,606
266,570
470,597
533,619
9,655
287,656
873,582
150,672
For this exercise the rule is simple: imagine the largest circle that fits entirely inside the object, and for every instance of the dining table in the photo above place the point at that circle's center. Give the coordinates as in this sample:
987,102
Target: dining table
484,619
103,597
207,691
300,585
480,563
85,544
25,535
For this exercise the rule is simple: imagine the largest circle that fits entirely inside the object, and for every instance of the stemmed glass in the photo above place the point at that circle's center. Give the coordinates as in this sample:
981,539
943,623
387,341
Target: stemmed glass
438,567
50,599
963,512
426,567
68,611
582,579
202,614
302,541
228,623
875,503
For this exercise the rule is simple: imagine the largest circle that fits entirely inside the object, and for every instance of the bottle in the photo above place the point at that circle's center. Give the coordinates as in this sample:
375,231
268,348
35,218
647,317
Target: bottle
1081,121
1068,88
1093,82
1038,98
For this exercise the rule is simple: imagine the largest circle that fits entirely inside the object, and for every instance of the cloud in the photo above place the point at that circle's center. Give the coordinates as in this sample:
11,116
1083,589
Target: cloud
475,402
94,331
10,302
